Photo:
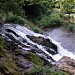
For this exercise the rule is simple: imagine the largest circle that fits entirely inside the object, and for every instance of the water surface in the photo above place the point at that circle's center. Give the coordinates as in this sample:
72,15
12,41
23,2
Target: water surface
66,38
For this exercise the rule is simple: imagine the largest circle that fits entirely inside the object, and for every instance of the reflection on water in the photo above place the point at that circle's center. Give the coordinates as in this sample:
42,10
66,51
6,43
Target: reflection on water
67,39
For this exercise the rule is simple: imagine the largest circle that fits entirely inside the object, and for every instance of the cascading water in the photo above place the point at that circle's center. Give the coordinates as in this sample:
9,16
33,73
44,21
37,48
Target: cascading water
44,46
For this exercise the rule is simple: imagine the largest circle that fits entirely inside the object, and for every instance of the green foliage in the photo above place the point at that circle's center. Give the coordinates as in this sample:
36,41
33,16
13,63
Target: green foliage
71,27
67,6
14,6
15,19
35,59
37,29
20,20
46,70
2,45
50,21
2,42
40,68
7,65
36,10
31,2
10,17
2,16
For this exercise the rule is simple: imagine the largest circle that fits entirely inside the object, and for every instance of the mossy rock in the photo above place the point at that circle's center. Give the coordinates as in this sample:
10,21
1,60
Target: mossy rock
35,59
17,52
8,67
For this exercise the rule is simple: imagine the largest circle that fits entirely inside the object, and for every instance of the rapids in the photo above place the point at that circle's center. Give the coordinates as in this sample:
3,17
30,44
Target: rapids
42,45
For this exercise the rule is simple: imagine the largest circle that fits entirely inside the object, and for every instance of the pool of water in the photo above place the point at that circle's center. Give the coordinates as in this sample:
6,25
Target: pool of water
67,39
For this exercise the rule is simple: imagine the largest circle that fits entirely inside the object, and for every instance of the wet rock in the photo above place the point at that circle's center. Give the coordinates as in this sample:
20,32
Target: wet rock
8,30
7,65
50,47
24,52
35,39
50,50
24,63
67,64
20,52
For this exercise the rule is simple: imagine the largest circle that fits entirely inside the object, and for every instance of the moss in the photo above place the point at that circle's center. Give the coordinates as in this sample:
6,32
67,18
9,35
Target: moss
40,68
2,42
46,70
2,46
17,52
7,64
35,59
8,67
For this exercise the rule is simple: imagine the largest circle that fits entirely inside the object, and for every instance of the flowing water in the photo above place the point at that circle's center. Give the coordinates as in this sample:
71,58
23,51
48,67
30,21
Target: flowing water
66,38
52,51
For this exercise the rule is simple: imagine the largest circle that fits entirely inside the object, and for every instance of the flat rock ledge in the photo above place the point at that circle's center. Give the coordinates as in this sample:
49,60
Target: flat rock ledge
67,64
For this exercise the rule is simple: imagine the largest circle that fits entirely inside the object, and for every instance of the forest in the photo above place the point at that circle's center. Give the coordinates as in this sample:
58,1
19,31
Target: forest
42,13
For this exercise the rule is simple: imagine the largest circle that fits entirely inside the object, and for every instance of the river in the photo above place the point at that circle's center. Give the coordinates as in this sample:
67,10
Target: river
66,38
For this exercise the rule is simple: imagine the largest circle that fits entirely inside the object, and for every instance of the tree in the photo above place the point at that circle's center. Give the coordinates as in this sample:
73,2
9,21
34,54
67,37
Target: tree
67,6
14,6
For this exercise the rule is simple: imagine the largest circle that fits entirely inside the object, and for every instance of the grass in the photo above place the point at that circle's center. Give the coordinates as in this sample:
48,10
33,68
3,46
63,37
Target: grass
40,68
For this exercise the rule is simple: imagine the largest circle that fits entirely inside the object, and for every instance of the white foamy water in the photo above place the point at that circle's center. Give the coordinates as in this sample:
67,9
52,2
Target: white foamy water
23,31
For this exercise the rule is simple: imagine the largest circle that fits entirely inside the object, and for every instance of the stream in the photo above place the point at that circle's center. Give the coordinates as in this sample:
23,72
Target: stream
44,45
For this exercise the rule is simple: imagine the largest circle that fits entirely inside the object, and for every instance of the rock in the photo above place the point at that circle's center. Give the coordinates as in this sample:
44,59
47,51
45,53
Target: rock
35,39
50,47
24,52
67,64
24,63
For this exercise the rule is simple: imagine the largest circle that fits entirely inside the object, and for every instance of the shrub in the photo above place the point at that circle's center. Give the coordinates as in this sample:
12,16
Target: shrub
10,17
45,70
35,59
2,42
71,27
15,19
2,16
37,29
51,21
40,68
20,20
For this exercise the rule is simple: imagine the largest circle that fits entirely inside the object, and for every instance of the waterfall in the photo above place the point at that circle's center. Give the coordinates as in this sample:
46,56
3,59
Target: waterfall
52,51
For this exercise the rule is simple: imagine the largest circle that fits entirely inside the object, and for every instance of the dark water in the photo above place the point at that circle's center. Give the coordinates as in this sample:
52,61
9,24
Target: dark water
67,39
